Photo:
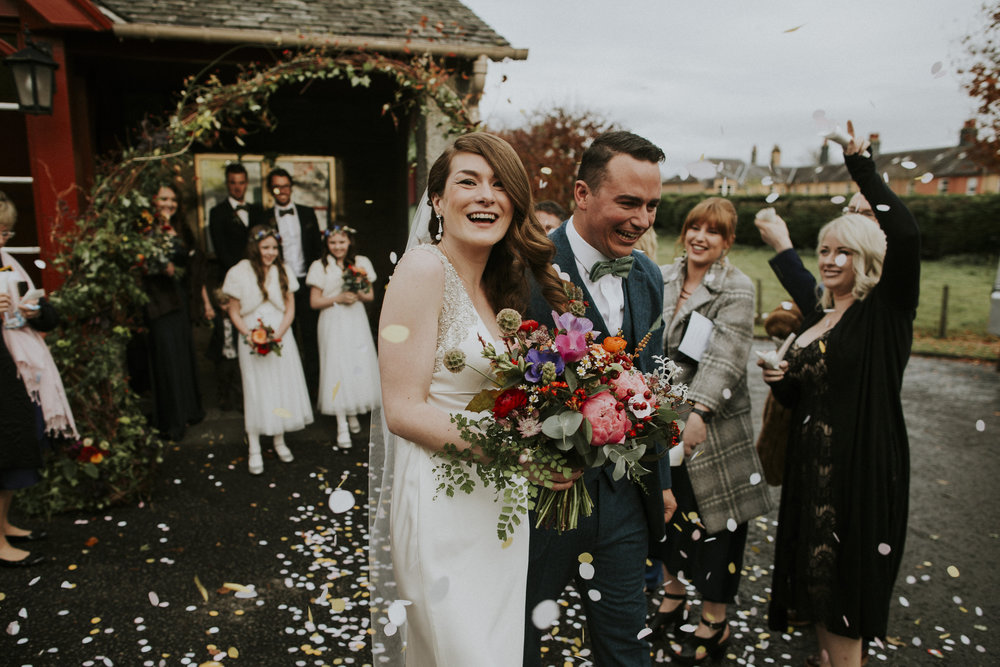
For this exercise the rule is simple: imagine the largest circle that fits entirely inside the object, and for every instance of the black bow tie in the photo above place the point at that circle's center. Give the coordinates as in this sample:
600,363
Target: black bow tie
286,211
242,207
619,267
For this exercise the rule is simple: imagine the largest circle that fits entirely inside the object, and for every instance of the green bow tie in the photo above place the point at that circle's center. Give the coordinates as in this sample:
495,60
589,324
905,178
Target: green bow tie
619,267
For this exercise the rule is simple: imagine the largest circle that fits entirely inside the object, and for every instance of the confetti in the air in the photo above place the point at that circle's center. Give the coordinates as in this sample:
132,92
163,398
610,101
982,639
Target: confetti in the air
980,425
545,614
927,177
953,571
771,198
586,571
908,164
882,207
546,170
40,263
794,29
341,500
838,199
395,333
884,549
840,260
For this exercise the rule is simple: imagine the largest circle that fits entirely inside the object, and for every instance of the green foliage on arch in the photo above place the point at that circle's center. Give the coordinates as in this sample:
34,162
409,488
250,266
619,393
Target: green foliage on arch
104,250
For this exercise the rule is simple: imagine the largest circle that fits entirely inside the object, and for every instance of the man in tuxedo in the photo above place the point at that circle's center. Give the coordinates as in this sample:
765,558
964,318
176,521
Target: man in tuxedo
616,192
301,245
230,221
229,224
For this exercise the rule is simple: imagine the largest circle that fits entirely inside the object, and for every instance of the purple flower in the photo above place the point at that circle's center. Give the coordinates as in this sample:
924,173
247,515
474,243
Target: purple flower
572,344
537,359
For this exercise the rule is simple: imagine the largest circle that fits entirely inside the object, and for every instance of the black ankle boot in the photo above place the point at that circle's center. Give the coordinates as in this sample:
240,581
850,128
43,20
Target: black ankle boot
665,623
710,647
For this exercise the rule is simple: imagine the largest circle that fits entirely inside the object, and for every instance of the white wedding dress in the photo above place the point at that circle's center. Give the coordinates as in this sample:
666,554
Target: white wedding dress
465,587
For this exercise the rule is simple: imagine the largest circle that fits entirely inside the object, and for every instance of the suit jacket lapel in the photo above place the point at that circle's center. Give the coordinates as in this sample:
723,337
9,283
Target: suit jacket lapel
568,264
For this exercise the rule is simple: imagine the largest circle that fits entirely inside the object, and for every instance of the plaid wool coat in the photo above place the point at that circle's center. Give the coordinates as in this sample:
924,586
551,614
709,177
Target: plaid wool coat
726,475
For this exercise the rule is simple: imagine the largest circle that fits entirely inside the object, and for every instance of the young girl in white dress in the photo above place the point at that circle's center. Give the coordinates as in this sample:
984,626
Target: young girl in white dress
275,397
445,295
348,367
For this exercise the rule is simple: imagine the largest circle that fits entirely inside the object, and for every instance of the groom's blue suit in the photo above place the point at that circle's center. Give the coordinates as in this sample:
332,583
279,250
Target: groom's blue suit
625,519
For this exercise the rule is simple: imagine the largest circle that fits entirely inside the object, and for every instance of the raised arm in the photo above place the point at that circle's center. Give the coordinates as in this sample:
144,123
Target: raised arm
786,264
901,269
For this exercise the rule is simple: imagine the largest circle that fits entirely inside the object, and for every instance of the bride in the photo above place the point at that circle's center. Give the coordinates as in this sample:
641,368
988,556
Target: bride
459,592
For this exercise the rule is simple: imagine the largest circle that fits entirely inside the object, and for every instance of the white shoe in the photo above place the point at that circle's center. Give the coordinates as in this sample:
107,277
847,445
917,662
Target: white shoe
283,452
344,440
255,463
352,424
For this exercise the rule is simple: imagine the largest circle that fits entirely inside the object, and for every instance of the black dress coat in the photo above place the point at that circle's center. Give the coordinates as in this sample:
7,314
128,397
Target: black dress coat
229,234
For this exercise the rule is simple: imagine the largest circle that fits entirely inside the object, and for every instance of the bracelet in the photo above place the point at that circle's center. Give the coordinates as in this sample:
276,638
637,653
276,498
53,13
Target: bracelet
705,415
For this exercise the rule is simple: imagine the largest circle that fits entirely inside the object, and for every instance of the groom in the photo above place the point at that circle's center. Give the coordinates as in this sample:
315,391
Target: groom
616,192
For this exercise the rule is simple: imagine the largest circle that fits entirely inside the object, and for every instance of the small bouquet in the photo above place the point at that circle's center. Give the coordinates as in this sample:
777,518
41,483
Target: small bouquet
561,403
262,341
356,279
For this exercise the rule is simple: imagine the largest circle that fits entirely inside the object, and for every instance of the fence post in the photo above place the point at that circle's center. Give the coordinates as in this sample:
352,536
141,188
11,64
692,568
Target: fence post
758,317
943,325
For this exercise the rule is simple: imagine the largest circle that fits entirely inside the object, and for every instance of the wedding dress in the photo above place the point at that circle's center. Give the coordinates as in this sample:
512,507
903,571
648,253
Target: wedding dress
462,589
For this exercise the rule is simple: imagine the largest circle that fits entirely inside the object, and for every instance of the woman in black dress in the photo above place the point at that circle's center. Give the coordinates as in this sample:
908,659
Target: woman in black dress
842,522
171,351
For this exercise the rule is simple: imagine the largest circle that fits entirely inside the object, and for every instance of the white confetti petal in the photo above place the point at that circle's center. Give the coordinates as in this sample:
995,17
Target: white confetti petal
40,263
545,614
837,199
980,425
726,394
154,599
927,177
755,478
840,260
767,180
882,207
389,630
903,601
586,571
732,525
594,594
341,500
397,612
645,632
884,549
908,164
13,628
393,257
771,198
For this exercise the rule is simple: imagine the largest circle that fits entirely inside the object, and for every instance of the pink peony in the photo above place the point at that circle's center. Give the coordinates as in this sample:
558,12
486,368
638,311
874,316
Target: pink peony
625,381
608,423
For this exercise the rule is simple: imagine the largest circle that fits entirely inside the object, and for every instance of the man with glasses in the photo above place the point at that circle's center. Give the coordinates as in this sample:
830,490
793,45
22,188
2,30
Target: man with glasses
301,245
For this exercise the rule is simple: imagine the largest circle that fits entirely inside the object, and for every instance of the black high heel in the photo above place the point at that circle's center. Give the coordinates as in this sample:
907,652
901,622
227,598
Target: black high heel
665,623
713,647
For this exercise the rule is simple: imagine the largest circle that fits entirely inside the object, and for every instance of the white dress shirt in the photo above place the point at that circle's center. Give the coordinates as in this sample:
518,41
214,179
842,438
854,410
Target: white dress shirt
608,293
291,239
242,214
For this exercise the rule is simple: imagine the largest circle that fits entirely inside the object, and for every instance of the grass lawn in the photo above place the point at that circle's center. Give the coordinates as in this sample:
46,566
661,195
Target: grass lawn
969,281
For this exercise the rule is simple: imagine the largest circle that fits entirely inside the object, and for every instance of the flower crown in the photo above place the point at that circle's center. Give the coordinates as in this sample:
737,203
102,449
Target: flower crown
264,233
337,229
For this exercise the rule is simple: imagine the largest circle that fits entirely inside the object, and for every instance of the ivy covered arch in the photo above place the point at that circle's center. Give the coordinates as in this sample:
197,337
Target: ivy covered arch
101,254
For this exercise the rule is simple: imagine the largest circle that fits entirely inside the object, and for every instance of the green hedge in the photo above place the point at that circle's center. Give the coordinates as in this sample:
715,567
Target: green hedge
949,224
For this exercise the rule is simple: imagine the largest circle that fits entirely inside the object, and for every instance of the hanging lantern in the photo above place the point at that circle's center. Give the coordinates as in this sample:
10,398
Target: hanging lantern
34,73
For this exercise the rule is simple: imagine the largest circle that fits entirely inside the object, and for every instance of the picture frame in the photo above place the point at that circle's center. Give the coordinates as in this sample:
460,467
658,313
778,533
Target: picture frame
314,176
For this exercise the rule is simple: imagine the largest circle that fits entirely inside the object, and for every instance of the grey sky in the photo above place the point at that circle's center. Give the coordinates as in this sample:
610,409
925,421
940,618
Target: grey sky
716,78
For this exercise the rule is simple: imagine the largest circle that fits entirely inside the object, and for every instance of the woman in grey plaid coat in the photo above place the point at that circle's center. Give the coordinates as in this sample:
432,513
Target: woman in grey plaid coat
720,485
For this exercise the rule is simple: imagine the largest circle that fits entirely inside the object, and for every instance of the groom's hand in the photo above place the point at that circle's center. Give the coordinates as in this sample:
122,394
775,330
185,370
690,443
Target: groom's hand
558,481
669,505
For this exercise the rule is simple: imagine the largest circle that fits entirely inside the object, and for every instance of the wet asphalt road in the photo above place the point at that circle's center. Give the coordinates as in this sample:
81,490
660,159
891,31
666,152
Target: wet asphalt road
121,587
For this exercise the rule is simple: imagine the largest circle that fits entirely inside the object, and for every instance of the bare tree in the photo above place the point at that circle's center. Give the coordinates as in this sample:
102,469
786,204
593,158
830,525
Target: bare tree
983,84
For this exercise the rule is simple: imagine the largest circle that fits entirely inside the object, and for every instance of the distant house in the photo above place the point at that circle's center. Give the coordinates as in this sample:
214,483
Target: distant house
120,61
927,171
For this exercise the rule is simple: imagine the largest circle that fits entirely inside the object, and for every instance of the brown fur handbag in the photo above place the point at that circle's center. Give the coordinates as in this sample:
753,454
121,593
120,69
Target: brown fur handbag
773,439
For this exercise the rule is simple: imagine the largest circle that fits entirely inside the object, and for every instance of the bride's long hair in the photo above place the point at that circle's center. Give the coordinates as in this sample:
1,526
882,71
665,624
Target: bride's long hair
524,247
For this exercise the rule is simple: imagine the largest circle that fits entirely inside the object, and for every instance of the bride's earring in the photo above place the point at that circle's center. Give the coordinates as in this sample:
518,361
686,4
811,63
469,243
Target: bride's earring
440,231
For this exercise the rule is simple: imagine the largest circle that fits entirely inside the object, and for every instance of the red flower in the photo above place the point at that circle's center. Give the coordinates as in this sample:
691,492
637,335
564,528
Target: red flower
508,401
528,325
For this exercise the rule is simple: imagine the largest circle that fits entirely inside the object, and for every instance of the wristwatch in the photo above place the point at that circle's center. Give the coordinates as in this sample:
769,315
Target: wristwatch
706,416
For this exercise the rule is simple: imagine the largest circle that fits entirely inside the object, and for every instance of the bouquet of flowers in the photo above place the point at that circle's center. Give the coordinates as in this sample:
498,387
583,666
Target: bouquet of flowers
262,341
561,403
356,279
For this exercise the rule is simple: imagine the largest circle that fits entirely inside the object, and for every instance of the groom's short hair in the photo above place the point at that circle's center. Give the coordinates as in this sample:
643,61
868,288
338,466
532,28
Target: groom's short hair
594,163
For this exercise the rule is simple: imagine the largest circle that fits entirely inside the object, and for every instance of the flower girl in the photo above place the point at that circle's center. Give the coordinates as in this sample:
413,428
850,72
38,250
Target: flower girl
348,368
262,307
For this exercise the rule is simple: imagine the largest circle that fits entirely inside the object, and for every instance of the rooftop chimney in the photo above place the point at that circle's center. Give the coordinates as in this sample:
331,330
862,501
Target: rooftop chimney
875,147
775,157
753,156
968,135
824,154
